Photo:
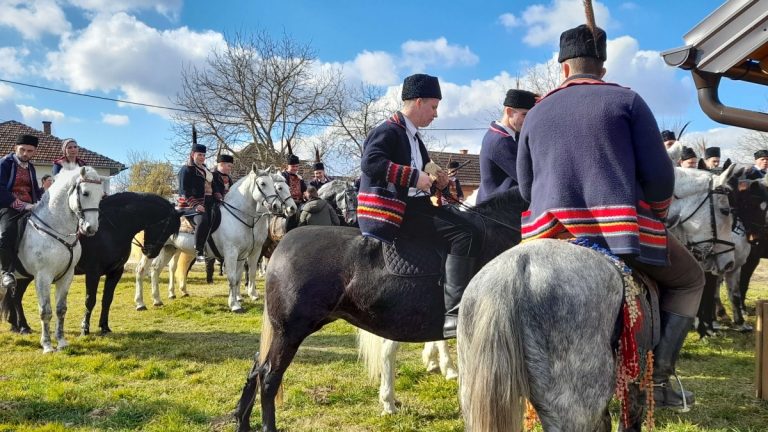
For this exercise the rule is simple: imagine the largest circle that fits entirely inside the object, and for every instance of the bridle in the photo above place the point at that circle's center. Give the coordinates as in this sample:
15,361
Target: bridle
267,201
41,226
705,249
348,208
166,222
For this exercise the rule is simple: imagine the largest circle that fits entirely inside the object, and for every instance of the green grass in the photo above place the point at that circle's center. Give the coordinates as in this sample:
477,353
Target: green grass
181,367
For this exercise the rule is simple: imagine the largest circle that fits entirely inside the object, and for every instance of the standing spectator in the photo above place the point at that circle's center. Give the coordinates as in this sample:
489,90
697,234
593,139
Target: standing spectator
46,182
69,159
317,211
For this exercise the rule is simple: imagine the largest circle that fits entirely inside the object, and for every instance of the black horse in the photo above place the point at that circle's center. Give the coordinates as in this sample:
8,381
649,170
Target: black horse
350,281
121,217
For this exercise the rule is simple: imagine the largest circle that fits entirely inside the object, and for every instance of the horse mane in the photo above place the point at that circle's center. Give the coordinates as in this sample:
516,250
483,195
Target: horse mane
329,189
690,181
65,180
508,201
124,199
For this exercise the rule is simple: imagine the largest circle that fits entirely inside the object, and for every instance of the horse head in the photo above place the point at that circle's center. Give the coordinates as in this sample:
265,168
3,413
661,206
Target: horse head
701,217
84,194
284,193
342,195
157,233
263,190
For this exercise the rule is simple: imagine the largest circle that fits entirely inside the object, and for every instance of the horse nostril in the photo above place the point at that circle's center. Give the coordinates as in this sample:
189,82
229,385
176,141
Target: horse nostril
729,266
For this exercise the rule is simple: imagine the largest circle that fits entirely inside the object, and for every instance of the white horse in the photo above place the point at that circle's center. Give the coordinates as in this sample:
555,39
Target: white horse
181,261
516,337
49,250
244,216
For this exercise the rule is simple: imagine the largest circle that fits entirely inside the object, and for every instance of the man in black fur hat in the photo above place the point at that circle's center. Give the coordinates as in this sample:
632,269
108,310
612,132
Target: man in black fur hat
222,180
688,158
712,158
498,153
18,193
318,168
595,150
668,137
295,182
395,191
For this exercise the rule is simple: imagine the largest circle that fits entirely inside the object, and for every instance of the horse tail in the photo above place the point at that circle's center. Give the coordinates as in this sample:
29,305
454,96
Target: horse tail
369,351
267,334
6,305
491,355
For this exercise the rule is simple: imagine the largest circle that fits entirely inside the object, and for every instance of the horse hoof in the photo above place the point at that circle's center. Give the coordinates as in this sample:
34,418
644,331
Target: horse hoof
85,332
48,350
185,294
105,331
172,296
745,328
432,366
238,310
141,308
14,329
25,331
158,304
451,375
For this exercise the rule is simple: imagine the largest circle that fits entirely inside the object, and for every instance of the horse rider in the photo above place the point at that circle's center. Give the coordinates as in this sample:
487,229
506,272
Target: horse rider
498,152
452,192
712,159
319,178
614,177
296,185
18,193
222,180
395,191
761,165
196,192
669,138
688,158
69,159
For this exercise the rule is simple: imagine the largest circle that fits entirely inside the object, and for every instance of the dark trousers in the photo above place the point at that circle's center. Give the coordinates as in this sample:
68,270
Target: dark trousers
423,220
203,225
680,284
9,231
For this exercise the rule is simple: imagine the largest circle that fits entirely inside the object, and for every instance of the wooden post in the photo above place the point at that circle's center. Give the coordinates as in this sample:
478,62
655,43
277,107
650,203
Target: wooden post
761,350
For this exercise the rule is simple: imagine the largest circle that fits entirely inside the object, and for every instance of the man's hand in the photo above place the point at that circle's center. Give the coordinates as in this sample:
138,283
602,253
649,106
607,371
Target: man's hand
442,180
199,209
425,182
29,207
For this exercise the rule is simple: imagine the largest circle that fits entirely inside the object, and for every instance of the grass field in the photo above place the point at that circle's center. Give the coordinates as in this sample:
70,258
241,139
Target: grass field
181,367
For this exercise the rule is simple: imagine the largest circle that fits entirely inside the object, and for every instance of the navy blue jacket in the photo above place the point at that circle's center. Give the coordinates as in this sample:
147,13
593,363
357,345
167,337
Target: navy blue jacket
8,178
191,186
386,176
498,163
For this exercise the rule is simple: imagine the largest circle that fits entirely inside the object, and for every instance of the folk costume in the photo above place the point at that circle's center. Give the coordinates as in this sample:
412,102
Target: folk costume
390,205
498,152
196,188
19,190
297,187
613,185
63,163
319,166
222,182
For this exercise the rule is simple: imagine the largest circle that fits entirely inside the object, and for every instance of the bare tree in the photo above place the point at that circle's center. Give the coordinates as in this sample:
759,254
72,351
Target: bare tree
749,143
146,174
542,78
255,96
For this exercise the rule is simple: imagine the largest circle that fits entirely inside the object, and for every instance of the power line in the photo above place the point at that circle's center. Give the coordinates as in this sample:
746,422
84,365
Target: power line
188,111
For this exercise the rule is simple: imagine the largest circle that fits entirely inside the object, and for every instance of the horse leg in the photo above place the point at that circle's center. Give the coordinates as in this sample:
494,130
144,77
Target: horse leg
429,357
447,368
157,266
387,384
234,271
62,290
746,272
210,263
43,288
110,283
18,307
91,287
142,268
250,277
173,264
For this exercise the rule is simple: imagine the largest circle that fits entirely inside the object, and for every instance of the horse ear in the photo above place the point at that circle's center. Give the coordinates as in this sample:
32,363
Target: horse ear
727,174
727,163
82,172
672,221
702,165
253,167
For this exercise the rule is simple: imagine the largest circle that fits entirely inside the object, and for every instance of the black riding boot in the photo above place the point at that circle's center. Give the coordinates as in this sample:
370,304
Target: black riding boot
458,273
201,237
8,281
674,328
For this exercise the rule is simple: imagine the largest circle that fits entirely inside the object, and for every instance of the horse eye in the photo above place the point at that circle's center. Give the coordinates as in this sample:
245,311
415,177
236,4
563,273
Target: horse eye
85,194
725,211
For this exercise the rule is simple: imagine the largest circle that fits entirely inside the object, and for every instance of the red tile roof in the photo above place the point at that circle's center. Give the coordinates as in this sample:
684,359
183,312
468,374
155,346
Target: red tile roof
50,147
469,174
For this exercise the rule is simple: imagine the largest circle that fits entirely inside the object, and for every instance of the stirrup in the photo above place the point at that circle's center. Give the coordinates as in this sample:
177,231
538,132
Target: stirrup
200,258
8,281
686,407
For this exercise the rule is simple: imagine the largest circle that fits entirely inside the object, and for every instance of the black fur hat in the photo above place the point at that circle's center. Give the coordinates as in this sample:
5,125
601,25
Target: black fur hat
421,86
27,140
687,153
711,152
318,165
579,42
520,99
761,154
199,148
453,164
668,135
225,158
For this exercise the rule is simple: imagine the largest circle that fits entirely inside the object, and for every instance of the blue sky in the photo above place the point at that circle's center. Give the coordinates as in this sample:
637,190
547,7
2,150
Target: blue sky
134,49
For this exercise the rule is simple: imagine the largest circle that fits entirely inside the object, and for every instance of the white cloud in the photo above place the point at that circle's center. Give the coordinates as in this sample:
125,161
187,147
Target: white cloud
11,65
544,23
8,108
418,55
727,138
115,119
33,18
34,116
629,6
377,68
509,20
168,8
646,73
119,52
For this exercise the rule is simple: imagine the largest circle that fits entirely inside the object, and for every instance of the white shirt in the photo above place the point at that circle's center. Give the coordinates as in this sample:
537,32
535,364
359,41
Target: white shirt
417,162
509,131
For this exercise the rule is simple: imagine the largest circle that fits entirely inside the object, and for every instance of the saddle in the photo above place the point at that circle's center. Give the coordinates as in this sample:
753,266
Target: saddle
188,225
408,257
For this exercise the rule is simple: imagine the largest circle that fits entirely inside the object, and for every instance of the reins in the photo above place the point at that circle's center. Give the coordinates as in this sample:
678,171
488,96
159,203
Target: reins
692,246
